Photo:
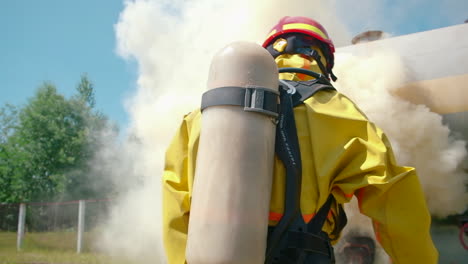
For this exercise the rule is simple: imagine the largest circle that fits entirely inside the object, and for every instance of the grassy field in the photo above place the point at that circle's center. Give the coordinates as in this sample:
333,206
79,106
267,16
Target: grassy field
51,248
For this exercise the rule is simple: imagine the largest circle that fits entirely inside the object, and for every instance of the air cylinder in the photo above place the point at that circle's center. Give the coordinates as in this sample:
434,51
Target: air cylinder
234,168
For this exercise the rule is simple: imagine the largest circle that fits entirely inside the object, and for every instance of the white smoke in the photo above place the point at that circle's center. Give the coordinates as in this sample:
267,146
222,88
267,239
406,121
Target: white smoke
358,225
418,136
173,43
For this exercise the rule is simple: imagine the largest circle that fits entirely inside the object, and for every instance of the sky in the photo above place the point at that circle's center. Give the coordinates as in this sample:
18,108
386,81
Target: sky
58,41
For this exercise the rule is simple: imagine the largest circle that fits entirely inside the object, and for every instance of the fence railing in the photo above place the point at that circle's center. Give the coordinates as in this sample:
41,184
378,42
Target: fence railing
49,222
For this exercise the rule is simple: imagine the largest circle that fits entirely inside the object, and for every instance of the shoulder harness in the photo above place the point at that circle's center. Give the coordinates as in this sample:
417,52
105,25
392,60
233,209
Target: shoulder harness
291,240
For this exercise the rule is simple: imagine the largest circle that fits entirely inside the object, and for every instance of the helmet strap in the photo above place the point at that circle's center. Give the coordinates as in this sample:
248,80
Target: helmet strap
316,56
332,76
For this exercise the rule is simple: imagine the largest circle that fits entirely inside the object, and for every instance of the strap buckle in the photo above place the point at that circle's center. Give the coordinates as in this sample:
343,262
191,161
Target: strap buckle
261,100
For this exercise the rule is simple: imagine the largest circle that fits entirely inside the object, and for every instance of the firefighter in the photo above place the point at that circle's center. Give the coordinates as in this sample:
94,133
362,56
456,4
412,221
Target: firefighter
342,154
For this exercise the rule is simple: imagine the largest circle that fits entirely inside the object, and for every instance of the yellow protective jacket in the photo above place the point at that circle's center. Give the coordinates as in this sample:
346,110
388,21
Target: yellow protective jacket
342,154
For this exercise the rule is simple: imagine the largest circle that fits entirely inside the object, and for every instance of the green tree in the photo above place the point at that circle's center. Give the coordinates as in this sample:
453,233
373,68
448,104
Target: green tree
8,121
82,181
8,124
47,155
86,91
49,136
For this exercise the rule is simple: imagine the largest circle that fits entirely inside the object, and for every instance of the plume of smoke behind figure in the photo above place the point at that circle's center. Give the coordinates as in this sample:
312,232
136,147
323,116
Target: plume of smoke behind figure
173,43
417,135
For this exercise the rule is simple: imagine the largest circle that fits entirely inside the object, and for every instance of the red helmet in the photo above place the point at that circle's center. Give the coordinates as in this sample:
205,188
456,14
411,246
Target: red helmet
305,26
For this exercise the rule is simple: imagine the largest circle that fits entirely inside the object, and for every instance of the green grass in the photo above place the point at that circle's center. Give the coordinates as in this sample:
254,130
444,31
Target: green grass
51,248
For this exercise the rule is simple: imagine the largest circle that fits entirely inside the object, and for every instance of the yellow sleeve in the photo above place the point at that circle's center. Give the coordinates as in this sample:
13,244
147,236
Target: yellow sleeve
359,160
177,183
394,199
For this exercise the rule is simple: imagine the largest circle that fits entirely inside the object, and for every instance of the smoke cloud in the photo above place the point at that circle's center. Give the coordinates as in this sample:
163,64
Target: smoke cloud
173,43
418,136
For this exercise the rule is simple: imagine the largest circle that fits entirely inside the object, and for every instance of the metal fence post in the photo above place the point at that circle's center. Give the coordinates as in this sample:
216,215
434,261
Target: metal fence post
81,224
21,221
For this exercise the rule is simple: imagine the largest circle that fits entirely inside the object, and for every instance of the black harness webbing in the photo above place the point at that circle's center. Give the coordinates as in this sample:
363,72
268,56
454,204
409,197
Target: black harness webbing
292,240
287,149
